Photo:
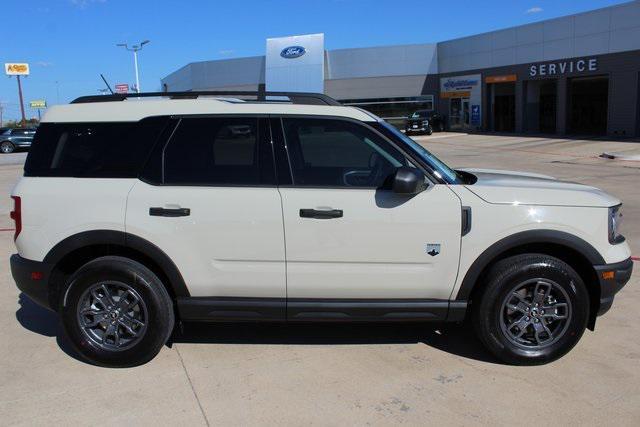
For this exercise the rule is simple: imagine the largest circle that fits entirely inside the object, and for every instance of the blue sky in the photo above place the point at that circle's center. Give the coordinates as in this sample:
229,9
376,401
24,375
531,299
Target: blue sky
70,42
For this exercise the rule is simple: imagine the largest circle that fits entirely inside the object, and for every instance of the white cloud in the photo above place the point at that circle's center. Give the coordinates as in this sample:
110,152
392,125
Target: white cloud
44,64
84,3
535,9
226,52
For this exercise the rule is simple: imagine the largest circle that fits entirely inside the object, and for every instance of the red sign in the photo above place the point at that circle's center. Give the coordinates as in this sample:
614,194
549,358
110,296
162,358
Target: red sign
122,88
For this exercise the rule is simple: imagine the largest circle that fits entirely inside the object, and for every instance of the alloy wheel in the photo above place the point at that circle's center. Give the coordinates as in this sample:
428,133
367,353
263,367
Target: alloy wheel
112,315
535,314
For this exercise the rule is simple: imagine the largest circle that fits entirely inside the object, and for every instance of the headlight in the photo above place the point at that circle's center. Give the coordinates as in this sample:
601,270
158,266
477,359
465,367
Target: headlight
615,222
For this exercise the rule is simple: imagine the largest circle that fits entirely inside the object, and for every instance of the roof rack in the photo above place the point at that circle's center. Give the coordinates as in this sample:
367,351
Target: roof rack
261,96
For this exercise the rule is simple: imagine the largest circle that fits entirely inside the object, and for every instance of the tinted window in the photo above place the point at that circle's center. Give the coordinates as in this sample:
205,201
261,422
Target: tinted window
337,153
92,150
218,151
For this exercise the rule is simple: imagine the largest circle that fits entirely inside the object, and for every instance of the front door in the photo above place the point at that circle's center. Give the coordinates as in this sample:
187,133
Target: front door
348,236
466,123
216,211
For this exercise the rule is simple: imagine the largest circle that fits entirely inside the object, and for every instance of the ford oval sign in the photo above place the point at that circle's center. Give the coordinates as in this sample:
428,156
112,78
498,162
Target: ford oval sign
293,52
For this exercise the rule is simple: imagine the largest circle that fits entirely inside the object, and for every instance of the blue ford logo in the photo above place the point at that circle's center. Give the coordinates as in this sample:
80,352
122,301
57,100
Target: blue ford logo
293,52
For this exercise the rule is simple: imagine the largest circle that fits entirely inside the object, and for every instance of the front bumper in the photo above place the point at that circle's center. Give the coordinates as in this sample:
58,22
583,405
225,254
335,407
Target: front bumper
612,278
32,278
418,129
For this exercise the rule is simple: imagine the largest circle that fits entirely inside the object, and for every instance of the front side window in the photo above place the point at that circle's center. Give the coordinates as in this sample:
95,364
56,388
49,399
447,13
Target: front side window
440,169
338,153
217,151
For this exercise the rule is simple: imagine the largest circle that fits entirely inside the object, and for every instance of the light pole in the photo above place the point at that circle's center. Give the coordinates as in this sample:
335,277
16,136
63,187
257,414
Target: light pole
134,48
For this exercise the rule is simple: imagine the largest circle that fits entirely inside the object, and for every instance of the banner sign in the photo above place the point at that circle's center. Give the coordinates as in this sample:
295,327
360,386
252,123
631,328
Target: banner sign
16,69
475,115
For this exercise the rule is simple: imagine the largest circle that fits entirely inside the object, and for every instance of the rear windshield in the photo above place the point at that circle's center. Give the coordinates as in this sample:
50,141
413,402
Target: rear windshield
92,150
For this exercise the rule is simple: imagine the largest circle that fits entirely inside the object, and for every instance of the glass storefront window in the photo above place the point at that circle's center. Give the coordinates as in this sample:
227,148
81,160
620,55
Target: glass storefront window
393,110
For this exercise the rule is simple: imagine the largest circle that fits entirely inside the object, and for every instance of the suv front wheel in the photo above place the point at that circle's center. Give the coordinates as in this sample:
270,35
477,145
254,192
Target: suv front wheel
116,312
7,147
533,309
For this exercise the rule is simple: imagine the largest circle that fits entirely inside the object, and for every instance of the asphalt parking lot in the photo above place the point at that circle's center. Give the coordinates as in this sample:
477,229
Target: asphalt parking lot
340,374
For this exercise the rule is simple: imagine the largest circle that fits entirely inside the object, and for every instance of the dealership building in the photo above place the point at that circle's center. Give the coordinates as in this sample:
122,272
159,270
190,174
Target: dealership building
577,75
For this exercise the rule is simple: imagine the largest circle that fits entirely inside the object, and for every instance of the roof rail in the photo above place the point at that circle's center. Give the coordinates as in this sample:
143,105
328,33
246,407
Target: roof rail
261,96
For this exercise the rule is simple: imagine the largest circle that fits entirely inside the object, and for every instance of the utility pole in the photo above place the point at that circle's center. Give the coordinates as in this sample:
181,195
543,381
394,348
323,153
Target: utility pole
135,48
1,111
24,119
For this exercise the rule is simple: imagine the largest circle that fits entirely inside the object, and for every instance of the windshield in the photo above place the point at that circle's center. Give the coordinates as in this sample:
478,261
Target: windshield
440,169
420,115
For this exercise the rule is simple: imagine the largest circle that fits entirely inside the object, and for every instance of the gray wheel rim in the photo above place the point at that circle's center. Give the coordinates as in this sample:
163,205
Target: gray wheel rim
112,315
5,147
535,314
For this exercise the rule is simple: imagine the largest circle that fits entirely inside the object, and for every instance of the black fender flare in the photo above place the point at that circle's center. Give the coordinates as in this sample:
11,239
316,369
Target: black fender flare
123,239
523,238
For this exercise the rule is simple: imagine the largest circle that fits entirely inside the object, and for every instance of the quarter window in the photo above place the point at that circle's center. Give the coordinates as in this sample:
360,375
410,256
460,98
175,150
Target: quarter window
218,151
338,153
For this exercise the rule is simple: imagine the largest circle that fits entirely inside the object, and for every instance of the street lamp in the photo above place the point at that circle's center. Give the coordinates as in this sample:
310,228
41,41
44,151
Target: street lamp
134,48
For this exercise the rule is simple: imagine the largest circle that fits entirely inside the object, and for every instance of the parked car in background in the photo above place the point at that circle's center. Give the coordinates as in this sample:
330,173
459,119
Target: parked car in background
12,139
437,122
424,121
418,122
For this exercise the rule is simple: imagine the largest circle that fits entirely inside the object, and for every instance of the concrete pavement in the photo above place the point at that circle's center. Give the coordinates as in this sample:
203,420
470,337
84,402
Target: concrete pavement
340,374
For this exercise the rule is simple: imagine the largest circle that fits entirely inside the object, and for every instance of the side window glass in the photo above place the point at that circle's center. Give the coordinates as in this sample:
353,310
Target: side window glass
218,151
337,153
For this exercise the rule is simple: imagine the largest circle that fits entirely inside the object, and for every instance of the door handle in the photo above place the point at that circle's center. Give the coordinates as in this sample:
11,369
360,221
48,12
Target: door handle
171,212
320,214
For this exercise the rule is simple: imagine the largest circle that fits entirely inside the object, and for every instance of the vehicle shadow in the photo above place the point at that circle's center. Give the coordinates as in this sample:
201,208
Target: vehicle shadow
44,322
456,339
451,338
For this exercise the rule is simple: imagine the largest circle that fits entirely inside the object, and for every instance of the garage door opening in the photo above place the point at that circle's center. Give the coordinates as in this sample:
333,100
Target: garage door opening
503,105
588,105
541,99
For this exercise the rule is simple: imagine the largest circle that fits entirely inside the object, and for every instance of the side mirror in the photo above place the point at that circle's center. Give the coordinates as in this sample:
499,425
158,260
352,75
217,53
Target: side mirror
409,181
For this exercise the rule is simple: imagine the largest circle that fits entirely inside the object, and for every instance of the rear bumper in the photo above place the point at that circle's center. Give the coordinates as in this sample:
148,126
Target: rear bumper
618,275
32,278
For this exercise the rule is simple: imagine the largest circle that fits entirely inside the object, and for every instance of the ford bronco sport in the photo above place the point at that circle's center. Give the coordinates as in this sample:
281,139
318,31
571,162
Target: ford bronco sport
136,213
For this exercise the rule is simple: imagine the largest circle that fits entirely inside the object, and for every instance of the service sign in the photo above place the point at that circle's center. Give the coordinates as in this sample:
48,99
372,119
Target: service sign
16,69
122,88
38,104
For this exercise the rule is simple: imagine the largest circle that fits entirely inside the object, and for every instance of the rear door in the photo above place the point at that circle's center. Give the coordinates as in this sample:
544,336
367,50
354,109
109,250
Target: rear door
210,202
348,236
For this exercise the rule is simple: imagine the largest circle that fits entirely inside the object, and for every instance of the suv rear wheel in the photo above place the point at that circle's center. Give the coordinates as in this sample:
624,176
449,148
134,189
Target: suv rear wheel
533,309
117,312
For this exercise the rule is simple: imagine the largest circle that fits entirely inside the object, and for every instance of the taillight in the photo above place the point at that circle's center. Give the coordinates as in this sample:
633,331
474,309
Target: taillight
16,215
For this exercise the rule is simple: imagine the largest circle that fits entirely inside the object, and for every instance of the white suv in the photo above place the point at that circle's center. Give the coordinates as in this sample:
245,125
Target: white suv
136,213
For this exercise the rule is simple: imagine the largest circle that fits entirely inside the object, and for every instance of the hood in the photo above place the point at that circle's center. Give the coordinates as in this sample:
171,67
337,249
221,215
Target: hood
510,187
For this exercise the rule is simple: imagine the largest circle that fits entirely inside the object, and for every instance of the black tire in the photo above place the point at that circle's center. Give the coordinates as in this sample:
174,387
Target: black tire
429,130
7,147
158,319
492,316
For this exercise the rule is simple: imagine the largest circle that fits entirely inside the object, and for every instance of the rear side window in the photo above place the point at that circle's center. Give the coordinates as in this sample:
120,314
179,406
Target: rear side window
93,150
219,151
